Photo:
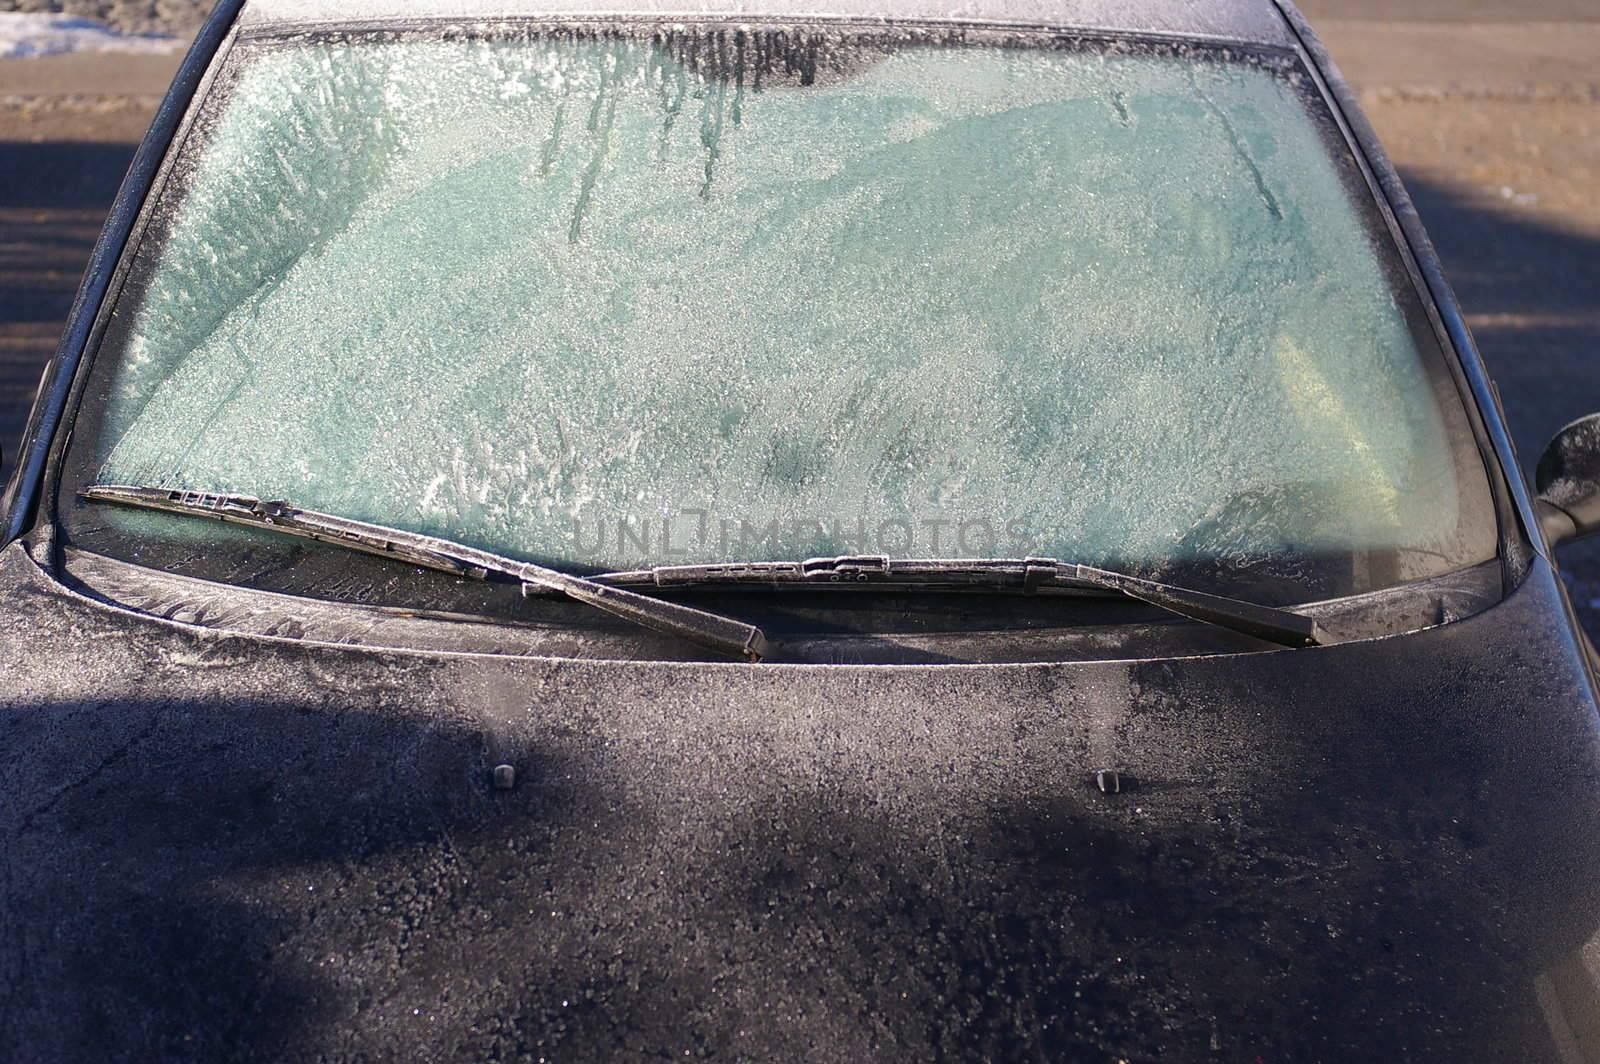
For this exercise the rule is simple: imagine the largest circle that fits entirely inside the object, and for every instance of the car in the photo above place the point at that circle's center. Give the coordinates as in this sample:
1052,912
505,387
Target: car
764,531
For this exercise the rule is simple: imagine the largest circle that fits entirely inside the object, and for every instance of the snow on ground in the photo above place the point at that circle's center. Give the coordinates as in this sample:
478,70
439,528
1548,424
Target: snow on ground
25,35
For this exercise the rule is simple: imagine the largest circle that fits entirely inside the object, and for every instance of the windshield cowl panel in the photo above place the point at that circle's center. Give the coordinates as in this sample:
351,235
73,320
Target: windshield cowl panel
616,298
827,627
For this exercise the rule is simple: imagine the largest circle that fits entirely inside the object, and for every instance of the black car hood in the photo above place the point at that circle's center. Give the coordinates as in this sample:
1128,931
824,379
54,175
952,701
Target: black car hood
224,846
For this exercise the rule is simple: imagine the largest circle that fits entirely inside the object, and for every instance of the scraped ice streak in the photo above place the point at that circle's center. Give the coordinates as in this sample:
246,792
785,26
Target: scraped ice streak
517,292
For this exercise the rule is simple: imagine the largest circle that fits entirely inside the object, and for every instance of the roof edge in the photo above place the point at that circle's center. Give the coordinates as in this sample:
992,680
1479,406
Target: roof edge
1244,21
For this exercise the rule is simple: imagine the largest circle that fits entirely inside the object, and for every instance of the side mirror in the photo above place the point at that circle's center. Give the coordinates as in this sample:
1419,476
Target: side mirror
1568,481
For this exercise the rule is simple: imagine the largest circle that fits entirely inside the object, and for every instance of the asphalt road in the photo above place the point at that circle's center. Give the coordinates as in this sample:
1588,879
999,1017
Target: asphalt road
1494,124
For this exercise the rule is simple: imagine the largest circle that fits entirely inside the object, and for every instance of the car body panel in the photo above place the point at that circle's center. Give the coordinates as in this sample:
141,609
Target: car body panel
229,845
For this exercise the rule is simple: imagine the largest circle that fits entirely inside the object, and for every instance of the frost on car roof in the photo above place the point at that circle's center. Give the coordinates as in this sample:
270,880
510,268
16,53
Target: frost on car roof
1251,21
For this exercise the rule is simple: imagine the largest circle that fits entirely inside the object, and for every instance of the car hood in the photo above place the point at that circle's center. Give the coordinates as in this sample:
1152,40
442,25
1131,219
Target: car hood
219,845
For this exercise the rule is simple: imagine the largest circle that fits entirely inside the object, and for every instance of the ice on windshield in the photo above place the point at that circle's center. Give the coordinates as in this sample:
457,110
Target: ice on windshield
618,302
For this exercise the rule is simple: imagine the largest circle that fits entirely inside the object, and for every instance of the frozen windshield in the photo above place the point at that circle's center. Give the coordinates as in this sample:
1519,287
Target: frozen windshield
610,300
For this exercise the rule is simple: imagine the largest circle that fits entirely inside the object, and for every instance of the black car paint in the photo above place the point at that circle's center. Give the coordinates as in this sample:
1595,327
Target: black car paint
222,845
249,847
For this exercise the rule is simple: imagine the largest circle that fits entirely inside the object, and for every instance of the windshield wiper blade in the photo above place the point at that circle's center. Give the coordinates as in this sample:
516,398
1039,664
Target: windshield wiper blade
1275,625
708,629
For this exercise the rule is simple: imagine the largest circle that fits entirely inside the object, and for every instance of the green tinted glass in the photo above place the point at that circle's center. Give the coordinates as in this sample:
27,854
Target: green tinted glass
613,301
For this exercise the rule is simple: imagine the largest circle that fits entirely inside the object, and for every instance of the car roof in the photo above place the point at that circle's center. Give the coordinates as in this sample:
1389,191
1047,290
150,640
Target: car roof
1247,21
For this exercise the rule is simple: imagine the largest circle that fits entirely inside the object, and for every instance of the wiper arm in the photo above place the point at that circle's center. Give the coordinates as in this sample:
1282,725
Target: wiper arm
1270,623
1275,625
708,629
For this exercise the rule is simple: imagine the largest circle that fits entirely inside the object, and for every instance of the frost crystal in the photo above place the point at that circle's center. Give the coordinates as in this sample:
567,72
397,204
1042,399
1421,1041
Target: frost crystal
533,292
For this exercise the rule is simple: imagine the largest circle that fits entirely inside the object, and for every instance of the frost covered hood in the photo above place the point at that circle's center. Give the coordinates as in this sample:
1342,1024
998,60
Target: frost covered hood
1253,21
218,845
